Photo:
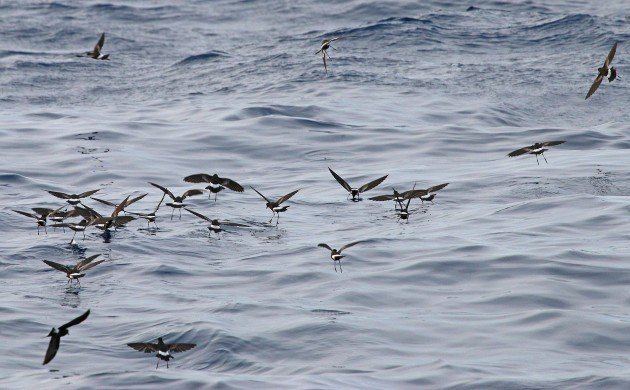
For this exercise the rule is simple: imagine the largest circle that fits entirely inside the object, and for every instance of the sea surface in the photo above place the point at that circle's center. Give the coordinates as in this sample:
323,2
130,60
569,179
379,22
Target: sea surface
516,276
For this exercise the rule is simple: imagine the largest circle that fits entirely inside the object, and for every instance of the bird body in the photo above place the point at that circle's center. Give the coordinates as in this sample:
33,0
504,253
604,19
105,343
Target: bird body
536,149
335,254
163,350
96,52
275,206
56,335
216,183
72,199
177,201
355,192
606,71
75,272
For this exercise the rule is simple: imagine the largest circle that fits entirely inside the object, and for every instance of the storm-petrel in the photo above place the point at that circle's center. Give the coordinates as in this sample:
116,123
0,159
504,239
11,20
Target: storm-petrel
74,272
128,203
326,44
215,224
356,192
335,254
605,71
275,207
56,335
40,216
151,217
536,149
72,199
178,201
96,53
163,350
216,183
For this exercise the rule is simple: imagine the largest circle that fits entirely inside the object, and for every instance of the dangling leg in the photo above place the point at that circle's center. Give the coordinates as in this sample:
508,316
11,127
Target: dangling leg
167,364
340,269
277,218
273,213
180,217
335,263
84,234
172,213
215,197
537,160
158,363
45,229
38,230
543,155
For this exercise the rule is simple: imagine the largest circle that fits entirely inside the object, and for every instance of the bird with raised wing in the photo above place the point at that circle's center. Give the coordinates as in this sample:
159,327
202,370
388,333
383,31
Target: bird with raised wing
217,184
605,71
335,254
77,271
536,149
326,44
178,201
96,52
73,199
356,192
215,224
56,335
163,350
40,216
276,207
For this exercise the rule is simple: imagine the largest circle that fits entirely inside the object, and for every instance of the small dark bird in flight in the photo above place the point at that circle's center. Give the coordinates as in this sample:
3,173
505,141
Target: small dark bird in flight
75,272
127,204
178,201
151,217
56,335
163,350
605,71
275,207
335,254
96,53
403,213
536,149
326,44
41,215
426,195
72,199
215,224
216,183
356,192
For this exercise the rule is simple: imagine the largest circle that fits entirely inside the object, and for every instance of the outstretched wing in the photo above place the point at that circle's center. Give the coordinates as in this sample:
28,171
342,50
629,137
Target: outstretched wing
235,224
322,245
340,180
199,215
120,207
611,55
57,266
120,221
99,45
181,347
436,188
88,263
596,83
381,198
348,245
263,196
164,189
520,151
158,205
76,321
553,143
87,193
198,178
413,194
105,202
53,347
59,194
286,197
144,347
372,184
134,200
191,193
231,184
27,214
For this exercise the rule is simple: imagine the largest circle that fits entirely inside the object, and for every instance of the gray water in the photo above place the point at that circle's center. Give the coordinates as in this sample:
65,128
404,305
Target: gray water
515,277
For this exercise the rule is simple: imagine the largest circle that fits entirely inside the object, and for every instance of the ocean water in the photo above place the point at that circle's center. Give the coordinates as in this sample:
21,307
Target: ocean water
515,277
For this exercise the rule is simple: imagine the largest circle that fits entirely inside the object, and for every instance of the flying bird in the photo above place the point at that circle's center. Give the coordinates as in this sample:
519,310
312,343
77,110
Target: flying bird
275,207
215,224
75,272
217,184
335,254
56,335
536,149
96,53
356,192
41,215
163,350
73,199
151,217
178,201
127,203
605,71
326,44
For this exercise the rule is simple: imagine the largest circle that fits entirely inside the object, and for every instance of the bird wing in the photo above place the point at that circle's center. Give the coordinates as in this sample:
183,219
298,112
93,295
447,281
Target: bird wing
372,184
90,265
381,198
553,143
611,55
180,347
334,39
437,187
409,199
164,189
520,151
43,212
144,347
57,266
119,221
59,194
413,194
231,184
134,200
85,262
348,245
263,196
322,245
105,202
158,205
87,193
199,215
87,213
76,321
235,224
191,193
53,347
340,180
198,178
27,214
99,45
120,207
286,197
596,83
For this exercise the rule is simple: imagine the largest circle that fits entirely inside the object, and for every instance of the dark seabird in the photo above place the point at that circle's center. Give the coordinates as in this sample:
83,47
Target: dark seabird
215,224
114,220
355,192
163,350
178,201
403,213
326,44
275,207
426,195
75,227
335,254
605,71
74,272
114,205
151,217
72,199
536,149
40,216
216,183
56,335
96,53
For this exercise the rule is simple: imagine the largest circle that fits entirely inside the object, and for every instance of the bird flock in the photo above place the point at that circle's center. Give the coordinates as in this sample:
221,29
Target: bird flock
77,216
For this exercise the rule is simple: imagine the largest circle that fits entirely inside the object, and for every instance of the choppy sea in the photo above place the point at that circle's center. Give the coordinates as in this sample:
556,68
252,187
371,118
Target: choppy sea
516,276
